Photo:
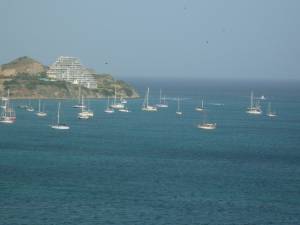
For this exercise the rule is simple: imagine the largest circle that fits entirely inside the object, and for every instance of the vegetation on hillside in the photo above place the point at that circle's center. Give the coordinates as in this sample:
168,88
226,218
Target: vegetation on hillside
38,86
27,78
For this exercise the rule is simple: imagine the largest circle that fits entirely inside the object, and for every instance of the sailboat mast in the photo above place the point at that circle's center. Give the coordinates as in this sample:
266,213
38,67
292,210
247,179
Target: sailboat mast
160,96
147,100
39,105
58,109
178,104
115,94
79,96
202,103
251,100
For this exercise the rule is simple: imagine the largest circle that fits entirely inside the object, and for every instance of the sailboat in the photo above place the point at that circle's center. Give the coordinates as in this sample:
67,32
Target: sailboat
41,113
108,108
116,105
162,101
206,125
200,108
8,114
29,107
270,113
254,109
123,100
262,97
85,113
178,112
125,109
146,107
80,102
59,126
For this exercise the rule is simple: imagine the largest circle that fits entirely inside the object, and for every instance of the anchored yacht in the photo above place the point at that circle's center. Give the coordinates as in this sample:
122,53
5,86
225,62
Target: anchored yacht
270,112
146,107
200,108
41,113
178,112
58,125
254,109
162,101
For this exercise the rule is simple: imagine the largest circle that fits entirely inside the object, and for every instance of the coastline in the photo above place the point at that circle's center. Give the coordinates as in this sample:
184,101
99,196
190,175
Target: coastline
35,98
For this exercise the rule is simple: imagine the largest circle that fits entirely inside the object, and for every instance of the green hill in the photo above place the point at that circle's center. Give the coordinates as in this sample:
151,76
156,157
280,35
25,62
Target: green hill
26,78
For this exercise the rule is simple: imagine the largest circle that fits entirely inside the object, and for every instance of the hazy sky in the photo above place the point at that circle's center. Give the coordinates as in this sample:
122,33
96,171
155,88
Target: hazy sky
158,38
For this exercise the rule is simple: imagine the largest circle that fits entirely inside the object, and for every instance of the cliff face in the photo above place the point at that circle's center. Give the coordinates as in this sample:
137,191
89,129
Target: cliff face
26,78
22,65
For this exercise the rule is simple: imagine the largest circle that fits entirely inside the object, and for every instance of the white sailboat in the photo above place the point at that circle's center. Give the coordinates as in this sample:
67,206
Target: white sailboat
270,113
206,125
29,107
80,102
116,105
146,107
8,114
178,112
108,108
254,109
262,97
123,100
59,126
41,113
162,101
200,108
125,110
85,113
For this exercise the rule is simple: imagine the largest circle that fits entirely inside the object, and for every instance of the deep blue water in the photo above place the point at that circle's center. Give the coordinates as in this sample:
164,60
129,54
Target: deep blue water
156,168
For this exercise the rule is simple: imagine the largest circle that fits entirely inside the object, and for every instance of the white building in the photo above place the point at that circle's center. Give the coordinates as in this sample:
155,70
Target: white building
69,69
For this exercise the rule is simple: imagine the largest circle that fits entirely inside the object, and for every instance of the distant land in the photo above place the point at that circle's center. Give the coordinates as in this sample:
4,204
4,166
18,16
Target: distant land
26,78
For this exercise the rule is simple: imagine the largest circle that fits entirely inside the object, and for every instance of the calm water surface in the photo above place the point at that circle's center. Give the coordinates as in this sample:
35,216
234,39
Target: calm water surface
156,168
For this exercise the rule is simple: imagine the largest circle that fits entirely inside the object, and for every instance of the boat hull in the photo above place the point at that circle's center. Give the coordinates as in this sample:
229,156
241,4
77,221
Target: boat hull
60,127
207,126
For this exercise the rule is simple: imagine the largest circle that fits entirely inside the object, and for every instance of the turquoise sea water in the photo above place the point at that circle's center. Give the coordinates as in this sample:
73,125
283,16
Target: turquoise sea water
156,168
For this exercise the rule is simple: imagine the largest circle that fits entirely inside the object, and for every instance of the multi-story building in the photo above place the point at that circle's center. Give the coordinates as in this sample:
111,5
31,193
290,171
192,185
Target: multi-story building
69,69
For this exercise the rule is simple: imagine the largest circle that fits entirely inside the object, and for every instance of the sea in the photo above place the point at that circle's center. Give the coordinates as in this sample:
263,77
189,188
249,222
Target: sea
157,168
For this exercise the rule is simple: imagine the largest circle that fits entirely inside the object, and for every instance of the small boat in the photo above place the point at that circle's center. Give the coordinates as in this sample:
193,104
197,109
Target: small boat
116,105
146,107
178,112
59,126
41,113
207,126
254,109
262,97
5,119
270,113
124,110
108,108
123,101
200,108
29,108
85,114
162,101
